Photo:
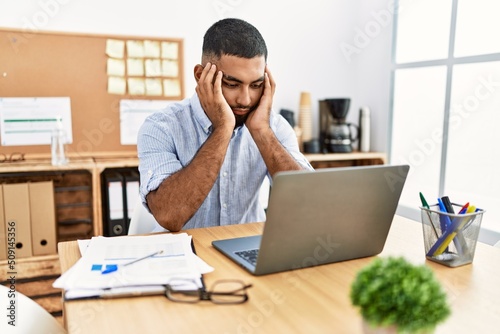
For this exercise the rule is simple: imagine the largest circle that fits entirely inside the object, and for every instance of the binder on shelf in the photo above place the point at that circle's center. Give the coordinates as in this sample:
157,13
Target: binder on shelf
17,213
131,193
43,218
113,204
120,193
3,230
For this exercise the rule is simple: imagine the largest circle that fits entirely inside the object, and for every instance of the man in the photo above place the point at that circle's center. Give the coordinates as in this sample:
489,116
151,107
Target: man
202,161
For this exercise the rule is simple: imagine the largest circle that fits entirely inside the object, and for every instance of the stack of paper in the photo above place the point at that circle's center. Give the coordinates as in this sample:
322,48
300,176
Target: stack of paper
87,278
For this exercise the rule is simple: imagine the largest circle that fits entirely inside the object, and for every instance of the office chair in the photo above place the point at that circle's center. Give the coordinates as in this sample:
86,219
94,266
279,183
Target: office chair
142,221
30,317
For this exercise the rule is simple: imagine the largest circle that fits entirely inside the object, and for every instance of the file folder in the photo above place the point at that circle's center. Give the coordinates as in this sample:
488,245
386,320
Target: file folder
3,235
43,218
17,213
113,204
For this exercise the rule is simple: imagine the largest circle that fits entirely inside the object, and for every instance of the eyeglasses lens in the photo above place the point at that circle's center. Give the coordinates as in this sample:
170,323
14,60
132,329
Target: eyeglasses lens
183,291
228,292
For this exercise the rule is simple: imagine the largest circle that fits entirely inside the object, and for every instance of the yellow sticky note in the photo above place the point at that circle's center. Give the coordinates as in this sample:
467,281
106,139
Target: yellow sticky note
153,87
171,87
136,86
151,49
170,68
135,67
116,67
169,50
135,49
115,48
153,67
116,85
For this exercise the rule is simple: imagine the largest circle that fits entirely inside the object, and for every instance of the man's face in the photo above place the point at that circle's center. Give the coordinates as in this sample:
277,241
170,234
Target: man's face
242,84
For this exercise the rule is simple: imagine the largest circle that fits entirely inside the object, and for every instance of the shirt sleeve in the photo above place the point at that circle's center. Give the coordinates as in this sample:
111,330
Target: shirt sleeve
287,137
156,151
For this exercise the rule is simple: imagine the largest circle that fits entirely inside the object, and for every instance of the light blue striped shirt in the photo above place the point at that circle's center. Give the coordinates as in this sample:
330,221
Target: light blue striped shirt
169,139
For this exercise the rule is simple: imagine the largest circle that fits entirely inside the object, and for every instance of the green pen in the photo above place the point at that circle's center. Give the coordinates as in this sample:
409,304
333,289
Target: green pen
424,202
425,205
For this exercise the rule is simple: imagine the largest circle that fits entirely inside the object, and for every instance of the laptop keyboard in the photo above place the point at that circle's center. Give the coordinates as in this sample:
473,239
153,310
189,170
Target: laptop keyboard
249,255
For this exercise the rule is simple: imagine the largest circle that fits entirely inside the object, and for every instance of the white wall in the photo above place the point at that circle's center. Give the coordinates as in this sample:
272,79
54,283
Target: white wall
305,41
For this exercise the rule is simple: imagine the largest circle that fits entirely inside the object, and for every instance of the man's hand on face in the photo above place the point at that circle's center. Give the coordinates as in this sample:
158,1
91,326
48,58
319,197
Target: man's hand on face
259,119
213,102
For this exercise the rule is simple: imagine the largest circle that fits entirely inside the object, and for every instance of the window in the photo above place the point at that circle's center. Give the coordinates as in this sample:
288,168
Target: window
446,103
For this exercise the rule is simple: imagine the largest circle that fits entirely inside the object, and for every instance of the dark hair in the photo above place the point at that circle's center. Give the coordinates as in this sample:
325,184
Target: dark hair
233,37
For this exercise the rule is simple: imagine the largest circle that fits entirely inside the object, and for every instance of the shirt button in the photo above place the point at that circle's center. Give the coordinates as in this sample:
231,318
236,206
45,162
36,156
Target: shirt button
224,174
224,205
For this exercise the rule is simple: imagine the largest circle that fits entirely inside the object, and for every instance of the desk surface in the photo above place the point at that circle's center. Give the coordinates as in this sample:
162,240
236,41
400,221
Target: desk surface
314,300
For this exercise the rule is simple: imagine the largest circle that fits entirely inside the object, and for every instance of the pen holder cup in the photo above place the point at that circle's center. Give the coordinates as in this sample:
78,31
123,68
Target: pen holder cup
450,239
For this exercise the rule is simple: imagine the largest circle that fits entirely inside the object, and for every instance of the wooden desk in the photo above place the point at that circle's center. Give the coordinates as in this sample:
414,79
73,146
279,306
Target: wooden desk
312,300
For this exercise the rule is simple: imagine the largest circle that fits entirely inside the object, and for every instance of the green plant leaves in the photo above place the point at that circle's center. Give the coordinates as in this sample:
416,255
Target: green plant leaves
392,291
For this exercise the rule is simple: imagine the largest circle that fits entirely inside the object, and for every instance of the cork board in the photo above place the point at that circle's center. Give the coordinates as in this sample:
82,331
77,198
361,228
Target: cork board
82,67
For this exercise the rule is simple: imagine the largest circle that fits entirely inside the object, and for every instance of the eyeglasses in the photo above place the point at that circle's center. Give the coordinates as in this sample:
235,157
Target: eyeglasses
13,157
222,292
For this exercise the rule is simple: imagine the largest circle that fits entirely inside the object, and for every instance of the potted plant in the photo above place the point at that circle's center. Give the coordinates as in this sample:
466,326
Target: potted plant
393,293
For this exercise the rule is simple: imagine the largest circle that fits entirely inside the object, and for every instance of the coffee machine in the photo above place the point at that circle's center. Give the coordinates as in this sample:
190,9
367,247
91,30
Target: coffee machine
336,135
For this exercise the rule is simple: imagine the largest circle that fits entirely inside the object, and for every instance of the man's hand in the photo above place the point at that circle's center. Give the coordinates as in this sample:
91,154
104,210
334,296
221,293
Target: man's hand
213,102
275,155
258,120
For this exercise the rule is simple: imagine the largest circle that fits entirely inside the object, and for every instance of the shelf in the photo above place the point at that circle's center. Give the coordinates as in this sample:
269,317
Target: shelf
329,160
319,157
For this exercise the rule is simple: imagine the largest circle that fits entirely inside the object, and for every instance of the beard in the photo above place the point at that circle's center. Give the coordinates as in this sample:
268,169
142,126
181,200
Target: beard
241,119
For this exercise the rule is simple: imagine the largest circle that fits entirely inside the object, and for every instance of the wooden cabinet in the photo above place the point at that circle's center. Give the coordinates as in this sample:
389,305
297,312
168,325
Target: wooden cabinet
73,187
77,190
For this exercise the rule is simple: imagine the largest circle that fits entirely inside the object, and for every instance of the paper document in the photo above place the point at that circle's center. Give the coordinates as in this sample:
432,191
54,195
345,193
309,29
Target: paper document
86,278
132,115
31,120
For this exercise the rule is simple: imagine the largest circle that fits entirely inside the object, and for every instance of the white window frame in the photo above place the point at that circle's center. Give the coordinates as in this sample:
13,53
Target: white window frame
450,61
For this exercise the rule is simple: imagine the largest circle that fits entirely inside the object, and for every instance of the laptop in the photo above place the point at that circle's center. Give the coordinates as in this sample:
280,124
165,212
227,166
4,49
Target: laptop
319,217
